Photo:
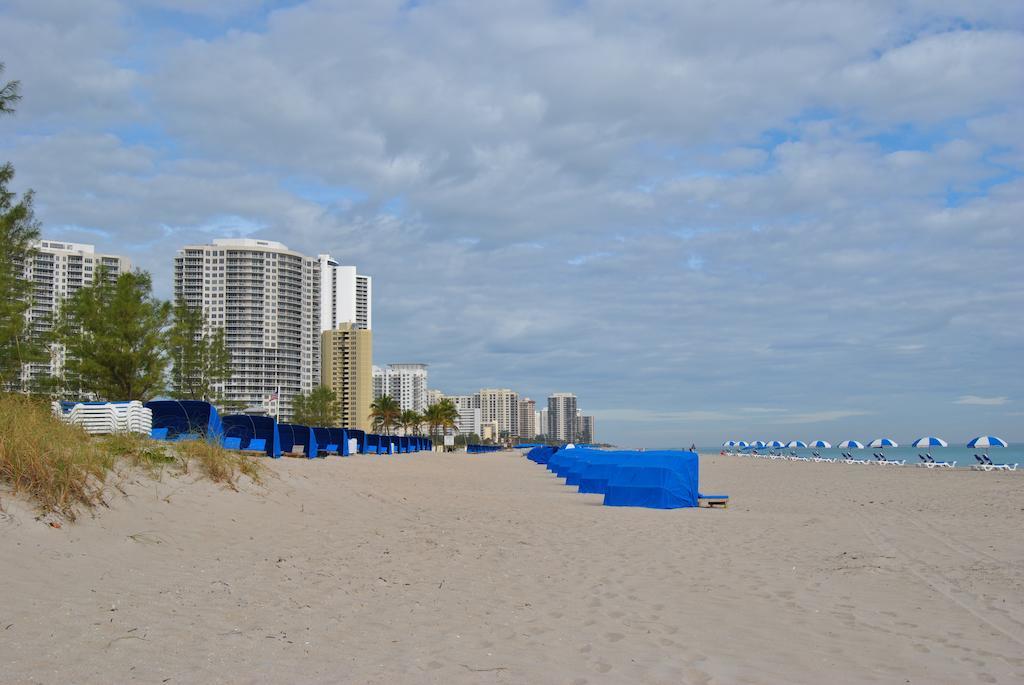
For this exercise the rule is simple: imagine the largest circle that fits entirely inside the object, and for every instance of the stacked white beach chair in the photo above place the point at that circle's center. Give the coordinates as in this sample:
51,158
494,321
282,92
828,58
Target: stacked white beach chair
101,418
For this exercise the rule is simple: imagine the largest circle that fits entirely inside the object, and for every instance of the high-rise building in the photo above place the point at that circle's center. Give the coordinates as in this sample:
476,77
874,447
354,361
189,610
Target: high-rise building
562,416
267,299
543,425
347,370
469,421
501,406
405,383
527,418
57,270
584,428
465,401
345,296
434,396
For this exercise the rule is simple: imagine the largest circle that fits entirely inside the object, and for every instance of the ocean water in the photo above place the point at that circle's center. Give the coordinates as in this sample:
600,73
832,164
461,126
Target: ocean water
962,456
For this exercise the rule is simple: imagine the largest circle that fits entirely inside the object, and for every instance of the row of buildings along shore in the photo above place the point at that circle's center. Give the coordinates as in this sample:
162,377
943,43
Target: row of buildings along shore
293,322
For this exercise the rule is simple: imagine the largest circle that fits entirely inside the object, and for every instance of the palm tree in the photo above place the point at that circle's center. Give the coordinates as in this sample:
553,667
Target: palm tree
449,414
409,420
432,417
384,413
441,415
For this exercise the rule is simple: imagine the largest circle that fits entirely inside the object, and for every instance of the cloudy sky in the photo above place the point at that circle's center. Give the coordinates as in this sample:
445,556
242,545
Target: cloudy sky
746,219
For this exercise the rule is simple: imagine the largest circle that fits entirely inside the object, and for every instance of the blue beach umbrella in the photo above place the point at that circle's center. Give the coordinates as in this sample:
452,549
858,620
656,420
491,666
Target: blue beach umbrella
729,443
882,442
776,444
743,443
930,441
821,443
851,444
987,441
796,443
760,444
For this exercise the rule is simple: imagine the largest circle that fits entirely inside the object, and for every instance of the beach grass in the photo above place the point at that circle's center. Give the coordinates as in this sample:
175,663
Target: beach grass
56,465
63,469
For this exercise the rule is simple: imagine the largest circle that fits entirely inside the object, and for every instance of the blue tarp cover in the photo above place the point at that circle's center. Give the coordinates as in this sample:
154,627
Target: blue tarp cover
655,483
183,417
249,428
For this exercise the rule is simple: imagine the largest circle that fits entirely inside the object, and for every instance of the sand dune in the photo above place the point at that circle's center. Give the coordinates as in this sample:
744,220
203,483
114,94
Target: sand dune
458,569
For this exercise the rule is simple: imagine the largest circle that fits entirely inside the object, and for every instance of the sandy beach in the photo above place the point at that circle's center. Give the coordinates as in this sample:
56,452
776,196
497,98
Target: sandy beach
486,569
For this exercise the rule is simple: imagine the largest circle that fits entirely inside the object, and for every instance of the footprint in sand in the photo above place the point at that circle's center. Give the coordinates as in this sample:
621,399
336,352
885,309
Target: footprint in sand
603,667
614,637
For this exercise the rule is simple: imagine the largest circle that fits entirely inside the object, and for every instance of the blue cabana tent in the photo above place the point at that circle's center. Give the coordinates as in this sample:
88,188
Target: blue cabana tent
666,480
540,454
360,438
481,449
293,434
339,437
325,441
186,419
375,444
249,428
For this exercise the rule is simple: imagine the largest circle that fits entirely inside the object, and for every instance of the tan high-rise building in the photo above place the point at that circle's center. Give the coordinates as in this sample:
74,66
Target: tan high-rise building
347,370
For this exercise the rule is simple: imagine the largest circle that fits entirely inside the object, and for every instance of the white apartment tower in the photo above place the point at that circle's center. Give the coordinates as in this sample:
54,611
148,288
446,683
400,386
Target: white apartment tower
267,299
345,296
562,417
501,406
57,270
542,423
405,383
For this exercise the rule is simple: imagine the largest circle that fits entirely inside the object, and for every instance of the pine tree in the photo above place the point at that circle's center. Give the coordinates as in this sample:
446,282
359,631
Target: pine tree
319,408
114,333
200,359
18,231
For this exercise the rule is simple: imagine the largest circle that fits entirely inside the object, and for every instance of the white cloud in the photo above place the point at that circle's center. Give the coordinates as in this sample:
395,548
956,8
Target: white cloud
983,401
567,200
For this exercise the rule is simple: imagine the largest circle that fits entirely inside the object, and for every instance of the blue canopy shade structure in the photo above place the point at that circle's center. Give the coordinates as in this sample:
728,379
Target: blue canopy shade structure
540,454
482,449
796,443
186,419
851,444
987,441
250,428
929,441
293,435
359,436
883,442
655,483
821,443
331,440
776,444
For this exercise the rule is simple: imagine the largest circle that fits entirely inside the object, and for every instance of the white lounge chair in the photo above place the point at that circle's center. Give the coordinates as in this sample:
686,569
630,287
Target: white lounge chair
986,464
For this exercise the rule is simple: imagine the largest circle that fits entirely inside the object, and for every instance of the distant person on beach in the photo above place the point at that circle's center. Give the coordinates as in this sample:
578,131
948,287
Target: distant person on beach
693,448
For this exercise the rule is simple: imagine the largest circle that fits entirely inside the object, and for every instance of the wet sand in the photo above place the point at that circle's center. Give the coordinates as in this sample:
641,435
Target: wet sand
486,569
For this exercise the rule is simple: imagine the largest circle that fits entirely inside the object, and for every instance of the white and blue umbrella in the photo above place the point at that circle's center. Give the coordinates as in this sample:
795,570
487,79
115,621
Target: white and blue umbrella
729,443
821,443
776,444
760,444
851,444
883,442
930,441
743,443
987,441
796,443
